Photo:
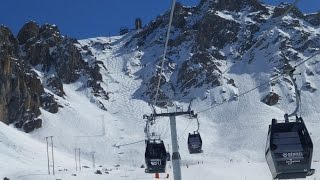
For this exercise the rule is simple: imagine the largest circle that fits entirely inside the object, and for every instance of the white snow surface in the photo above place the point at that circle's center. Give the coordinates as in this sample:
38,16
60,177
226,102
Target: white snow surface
234,134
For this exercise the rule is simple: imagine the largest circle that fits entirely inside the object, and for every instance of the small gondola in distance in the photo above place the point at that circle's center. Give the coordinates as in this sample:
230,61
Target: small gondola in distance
194,143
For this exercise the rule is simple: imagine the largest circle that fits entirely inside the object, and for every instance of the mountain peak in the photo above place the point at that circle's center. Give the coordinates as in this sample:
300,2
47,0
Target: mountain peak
279,10
28,31
231,5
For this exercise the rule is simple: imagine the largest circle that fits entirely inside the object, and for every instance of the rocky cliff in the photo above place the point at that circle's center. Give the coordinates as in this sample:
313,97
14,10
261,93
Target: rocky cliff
207,39
34,67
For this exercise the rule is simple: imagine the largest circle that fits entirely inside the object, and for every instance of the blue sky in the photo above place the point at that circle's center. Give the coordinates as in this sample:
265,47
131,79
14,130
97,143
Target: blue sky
84,19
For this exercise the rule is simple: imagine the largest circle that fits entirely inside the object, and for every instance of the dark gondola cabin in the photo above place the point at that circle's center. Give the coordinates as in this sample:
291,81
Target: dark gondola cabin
194,143
155,157
289,150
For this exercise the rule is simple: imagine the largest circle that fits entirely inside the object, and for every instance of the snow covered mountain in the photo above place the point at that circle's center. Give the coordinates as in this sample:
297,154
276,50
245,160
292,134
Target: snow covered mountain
91,94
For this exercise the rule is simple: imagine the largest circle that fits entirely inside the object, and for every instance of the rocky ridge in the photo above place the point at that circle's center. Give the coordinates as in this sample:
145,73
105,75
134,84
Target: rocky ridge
205,41
34,67
208,38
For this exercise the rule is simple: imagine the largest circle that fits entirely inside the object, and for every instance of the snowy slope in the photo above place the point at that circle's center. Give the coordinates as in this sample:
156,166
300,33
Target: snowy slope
234,134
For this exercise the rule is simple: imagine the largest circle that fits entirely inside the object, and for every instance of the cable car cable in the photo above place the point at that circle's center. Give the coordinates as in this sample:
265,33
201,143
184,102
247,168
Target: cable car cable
198,125
127,144
188,126
163,59
297,95
185,129
165,51
258,41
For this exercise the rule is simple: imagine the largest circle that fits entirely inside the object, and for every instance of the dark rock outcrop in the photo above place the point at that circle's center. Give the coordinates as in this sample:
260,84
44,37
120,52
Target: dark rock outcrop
207,73
56,86
68,62
55,56
29,32
31,125
216,34
48,103
313,19
309,87
98,172
271,99
179,16
279,10
20,88
49,49
236,5
232,5
59,58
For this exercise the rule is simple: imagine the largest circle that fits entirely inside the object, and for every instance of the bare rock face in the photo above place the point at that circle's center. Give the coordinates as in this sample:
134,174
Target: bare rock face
95,78
313,19
279,10
216,34
271,99
48,103
55,85
37,43
8,43
237,5
232,5
20,87
58,57
199,70
29,32
67,61
32,124
43,48
179,16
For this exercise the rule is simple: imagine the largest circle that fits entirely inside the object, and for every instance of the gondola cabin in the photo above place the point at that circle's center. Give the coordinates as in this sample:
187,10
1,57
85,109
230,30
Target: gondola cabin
289,149
194,143
155,156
